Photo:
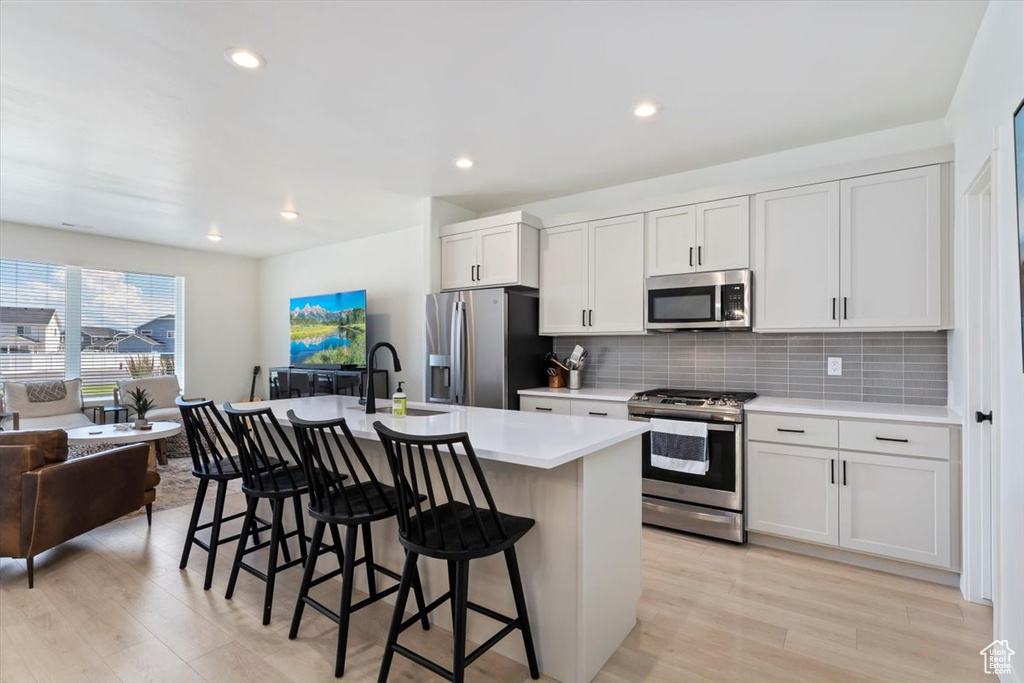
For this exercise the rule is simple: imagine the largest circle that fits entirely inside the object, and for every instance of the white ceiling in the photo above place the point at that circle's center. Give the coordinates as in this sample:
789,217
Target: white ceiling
125,116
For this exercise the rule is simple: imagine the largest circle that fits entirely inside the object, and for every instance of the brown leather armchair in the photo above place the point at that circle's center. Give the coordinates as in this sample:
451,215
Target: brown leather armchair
46,499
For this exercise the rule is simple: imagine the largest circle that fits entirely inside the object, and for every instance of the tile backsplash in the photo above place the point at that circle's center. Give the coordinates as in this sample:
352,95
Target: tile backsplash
878,367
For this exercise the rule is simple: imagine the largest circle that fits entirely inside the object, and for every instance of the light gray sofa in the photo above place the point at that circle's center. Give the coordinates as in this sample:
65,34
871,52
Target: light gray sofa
163,390
65,413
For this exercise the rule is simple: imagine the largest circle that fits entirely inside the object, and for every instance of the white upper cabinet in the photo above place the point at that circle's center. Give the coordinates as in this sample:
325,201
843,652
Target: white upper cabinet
723,234
672,241
592,277
892,249
458,261
796,269
485,253
564,282
699,238
616,275
861,254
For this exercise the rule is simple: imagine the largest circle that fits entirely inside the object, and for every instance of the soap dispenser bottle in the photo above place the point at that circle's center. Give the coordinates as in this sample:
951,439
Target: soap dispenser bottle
398,402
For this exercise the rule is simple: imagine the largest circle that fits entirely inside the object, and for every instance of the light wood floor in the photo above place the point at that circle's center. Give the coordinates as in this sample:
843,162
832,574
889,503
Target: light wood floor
113,606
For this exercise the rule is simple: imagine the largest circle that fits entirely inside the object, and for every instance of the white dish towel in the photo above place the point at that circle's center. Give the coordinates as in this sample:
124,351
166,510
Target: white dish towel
680,446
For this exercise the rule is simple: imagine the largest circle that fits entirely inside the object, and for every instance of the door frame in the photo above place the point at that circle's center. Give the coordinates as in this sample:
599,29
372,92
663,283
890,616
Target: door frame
980,442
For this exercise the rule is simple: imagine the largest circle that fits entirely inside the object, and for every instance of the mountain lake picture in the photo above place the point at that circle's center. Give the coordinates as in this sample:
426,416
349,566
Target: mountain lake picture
329,329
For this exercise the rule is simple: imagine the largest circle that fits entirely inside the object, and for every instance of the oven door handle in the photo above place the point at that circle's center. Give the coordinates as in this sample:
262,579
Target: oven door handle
712,426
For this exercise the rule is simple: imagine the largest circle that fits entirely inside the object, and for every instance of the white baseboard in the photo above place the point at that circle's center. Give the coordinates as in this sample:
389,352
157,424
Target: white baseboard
913,571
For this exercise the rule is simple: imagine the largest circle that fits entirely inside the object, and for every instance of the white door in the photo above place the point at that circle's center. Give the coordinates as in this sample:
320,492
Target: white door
459,261
796,258
499,256
891,228
563,279
792,491
723,234
616,275
895,506
672,241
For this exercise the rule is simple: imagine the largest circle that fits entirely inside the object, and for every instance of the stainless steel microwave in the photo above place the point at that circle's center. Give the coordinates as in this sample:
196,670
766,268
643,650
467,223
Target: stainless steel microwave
699,301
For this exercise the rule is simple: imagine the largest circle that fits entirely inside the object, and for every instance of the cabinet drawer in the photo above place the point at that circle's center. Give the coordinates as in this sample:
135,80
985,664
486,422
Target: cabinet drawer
923,441
540,404
610,409
806,431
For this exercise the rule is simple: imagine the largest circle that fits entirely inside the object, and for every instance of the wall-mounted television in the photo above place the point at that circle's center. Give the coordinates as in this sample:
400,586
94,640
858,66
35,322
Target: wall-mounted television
328,330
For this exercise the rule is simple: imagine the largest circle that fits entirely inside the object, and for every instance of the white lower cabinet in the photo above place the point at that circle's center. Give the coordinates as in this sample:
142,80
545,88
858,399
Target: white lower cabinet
792,492
558,405
883,503
895,506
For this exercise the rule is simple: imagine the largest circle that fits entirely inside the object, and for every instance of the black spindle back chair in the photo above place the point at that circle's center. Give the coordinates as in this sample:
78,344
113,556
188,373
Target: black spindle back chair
271,471
344,491
447,512
213,459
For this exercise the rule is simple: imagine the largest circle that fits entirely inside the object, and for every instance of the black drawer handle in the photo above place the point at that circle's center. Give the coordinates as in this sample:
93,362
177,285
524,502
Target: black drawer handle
832,469
539,408
791,431
599,414
886,438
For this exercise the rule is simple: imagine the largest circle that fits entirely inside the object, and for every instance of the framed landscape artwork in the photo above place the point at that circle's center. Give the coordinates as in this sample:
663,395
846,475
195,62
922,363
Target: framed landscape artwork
1018,147
328,329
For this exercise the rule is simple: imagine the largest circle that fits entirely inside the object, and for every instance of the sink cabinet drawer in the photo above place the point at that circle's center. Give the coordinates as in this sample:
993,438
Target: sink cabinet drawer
822,432
610,409
923,441
540,404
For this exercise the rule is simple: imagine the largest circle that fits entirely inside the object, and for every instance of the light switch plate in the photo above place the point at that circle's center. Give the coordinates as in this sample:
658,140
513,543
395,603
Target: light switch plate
835,367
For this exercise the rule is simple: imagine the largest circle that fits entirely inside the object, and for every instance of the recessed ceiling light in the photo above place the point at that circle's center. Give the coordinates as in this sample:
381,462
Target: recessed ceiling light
289,214
465,162
244,59
645,109
213,237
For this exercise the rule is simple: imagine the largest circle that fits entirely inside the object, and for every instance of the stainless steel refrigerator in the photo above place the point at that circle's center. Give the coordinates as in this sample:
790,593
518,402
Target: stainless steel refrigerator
483,346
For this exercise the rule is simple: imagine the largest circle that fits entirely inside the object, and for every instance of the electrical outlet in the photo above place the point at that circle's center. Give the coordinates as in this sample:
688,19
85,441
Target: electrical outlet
835,367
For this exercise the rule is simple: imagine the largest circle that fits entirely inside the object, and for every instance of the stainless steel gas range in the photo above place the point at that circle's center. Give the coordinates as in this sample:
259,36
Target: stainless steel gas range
710,504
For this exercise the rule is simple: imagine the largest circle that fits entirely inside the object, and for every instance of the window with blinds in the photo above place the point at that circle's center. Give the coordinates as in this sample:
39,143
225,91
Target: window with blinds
32,320
126,318
100,325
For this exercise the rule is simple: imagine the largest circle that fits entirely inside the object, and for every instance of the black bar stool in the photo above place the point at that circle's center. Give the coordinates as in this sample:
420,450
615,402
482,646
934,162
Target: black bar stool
446,529
329,454
267,474
212,460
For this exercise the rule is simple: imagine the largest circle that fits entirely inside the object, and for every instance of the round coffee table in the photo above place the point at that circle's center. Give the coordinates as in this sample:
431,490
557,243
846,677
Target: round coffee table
156,437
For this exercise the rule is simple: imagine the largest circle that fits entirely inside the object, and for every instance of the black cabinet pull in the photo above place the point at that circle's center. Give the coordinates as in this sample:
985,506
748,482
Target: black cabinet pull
833,308
700,256
844,309
832,469
983,417
591,323
478,273
599,414
584,321
539,408
844,473
791,431
886,438
691,257
472,273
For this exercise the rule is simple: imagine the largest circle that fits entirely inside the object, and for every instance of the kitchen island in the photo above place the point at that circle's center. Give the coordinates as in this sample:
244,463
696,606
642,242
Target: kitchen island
578,477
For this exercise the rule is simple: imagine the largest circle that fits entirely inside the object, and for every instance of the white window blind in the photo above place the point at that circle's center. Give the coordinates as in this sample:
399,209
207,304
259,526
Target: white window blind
65,322
125,320
32,320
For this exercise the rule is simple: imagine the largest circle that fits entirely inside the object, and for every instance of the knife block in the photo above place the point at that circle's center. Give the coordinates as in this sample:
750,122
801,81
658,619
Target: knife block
558,380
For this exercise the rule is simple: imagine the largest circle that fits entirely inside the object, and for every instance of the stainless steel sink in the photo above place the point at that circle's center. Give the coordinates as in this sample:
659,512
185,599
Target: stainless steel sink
411,412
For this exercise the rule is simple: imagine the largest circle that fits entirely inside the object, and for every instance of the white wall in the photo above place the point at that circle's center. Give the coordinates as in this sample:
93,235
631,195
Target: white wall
739,177
980,121
221,345
390,267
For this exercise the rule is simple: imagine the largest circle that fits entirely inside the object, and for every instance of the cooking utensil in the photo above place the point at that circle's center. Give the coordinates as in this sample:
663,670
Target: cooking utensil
574,359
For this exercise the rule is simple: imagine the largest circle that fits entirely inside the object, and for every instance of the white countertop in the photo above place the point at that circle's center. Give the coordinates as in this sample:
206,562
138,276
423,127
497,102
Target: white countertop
530,439
854,409
617,395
